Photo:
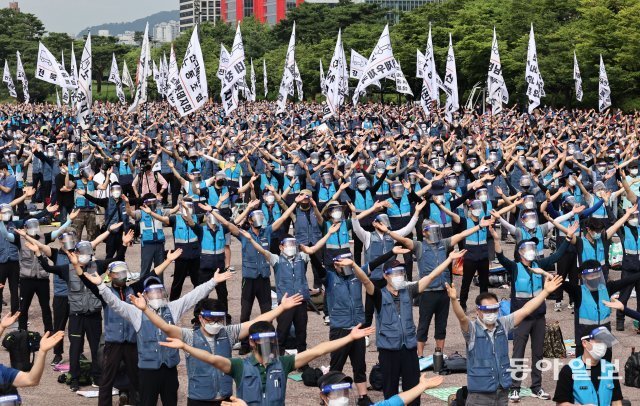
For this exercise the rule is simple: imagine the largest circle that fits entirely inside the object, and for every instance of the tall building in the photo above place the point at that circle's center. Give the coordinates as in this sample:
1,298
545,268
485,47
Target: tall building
13,5
166,31
103,33
397,7
192,11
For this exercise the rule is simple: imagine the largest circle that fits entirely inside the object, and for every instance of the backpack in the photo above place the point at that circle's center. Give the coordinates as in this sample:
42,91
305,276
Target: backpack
22,346
85,374
554,342
632,370
375,377
316,302
459,398
310,376
454,364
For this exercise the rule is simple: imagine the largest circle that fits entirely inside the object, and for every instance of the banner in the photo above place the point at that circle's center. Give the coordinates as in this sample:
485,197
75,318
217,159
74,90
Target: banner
191,92
497,88
142,73
230,97
49,70
164,73
381,64
298,80
357,64
576,77
253,83
604,91
431,82
288,75
236,68
84,96
6,78
337,80
22,77
264,76
420,61
535,87
450,84
126,76
173,78
74,72
322,81
402,86
66,94
114,77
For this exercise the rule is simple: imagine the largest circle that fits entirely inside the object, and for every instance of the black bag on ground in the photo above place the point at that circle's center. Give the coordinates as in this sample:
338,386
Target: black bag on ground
460,397
454,364
375,377
310,376
22,346
632,370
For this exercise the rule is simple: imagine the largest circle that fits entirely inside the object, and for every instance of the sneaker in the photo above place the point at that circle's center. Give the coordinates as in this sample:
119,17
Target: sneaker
364,401
74,386
557,307
237,346
619,325
57,359
94,384
326,320
540,394
514,395
570,306
83,358
367,341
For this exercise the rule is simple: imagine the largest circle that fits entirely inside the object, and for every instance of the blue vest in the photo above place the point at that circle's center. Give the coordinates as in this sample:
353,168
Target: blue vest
254,264
251,390
111,214
591,252
18,173
233,174
205,381
291,277
402,210
395,330
631,253
583,390
601,212
150,228
116,328
191,193
74,169
124,171
526,235
527,285
326,193
384,188
439,216
271,215
378,246
592,313
344,299
294,189
81,201
152,355
363,200
340,239
477,238
264,181
488,362
9,250
213,242
432,256
189,166
183,234
214,197
60,288
307,230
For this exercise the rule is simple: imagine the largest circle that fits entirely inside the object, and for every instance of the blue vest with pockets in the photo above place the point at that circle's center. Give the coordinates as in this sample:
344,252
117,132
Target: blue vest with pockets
205,381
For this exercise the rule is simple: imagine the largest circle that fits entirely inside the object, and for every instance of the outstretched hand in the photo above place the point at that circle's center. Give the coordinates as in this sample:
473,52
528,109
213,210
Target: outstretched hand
358,332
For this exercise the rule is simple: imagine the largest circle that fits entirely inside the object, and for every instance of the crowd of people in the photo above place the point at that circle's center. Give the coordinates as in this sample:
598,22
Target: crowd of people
371,210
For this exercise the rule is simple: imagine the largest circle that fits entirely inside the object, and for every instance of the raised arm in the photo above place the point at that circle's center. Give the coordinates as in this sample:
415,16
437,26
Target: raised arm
457,308
327,347
221,363
425,281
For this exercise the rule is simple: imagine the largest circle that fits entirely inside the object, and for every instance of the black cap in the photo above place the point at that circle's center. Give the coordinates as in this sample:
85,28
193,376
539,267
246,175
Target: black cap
332,378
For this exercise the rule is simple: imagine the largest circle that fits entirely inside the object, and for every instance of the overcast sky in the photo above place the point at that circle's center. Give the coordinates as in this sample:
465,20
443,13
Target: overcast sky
73,15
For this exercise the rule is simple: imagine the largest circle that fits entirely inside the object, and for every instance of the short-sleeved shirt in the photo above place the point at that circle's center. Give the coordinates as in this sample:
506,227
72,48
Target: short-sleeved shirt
564,388
7,375
507,322
233,333
237,368
395,400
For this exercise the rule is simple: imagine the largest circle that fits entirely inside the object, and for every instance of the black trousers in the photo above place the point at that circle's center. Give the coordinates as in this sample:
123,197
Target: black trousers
114,353
30,287
81,325
469,268
193,402
11,271
298,317
184,267
396,364
355,351
319,271
369,307
37,181
534,328
259,288
433,303
567,265
60,318
625,294
174,185
46,191
222,293
162,382
113,243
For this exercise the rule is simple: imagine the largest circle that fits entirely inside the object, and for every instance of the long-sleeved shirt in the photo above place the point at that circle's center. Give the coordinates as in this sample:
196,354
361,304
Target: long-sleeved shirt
177,307
149,183
365,236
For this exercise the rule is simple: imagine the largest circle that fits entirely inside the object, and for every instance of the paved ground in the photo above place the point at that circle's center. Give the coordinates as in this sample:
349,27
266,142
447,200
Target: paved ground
52,393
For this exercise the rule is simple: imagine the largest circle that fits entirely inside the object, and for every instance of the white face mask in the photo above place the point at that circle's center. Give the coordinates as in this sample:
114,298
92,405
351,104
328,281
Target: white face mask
529,205
482,198
634,172
155,304
6,217
572,182
362,186
84,259
212,328
315,161
598,350
398,282
116,194
341,401
529,255
336,215
476,212
291,174
633,222
530,224
490,318
269,199
289,251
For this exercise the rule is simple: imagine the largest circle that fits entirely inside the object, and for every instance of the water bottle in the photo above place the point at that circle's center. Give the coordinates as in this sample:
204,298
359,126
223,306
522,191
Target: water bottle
437,360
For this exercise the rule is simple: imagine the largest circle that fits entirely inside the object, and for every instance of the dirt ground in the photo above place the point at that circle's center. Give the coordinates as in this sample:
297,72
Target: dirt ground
51,393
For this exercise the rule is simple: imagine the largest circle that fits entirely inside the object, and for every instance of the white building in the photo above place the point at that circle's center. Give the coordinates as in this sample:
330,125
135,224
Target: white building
197,11
128,38
166,31
103,33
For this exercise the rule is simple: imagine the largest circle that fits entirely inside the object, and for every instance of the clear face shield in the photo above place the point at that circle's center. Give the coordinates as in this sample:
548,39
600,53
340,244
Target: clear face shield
187,209
212,322
362,183
525,183
482,194
432,232
266,345
457,167
68,241
13,160
257,218
84,250
601,335
528,251
529,219
593,278
289,247
212,221
452,181
291,171
383,219
72,157
476,208
397,190
32,226
529,202
6,212
347,270
116,191
118,272
269,198
633,219
488,313
10,400
156,296
339,394
196,176
569,203
221,179
397,277
152,203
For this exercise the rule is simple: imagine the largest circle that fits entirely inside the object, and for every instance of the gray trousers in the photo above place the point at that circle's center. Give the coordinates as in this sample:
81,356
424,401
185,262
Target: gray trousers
499,398
533,328
150,253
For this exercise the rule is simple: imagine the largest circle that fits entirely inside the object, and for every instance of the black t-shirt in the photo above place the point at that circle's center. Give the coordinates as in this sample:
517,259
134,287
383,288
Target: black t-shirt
65,199
564,388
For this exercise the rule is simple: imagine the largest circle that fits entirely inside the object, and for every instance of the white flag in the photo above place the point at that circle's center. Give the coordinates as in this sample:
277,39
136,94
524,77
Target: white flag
535,87
84,97
230,97
49,70
497,88
156,78
381,64
264,76
192,92
141,73
173,78
357,64
114,77
298,79
431,82
222,63
22,77
450,84
126,76
420,61
402,86
236,69
337,80
58,98
6,78
288,75
73,72
165,75
66,94
253,83
604,91
576,77
322,80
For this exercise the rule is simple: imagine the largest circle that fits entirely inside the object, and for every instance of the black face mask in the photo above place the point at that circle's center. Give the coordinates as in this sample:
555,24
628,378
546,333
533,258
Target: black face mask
219,183
147,168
